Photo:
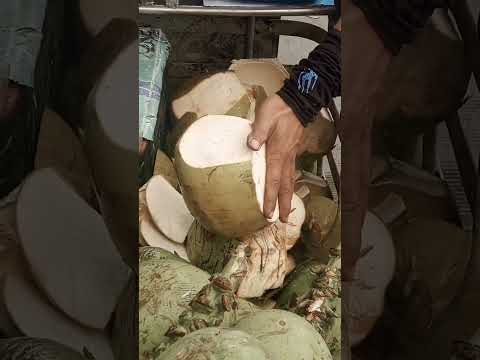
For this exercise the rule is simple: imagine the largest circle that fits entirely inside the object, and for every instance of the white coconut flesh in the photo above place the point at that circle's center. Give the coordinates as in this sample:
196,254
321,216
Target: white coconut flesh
153,237
219,140
167,209
374,272
215,95
36,317
68,246
96,15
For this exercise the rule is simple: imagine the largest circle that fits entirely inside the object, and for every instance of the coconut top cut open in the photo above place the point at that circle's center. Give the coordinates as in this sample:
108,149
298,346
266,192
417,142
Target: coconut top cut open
69,249
222,180
36,317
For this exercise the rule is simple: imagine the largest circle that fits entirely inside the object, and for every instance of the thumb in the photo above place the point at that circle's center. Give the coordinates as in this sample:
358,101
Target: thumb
261,130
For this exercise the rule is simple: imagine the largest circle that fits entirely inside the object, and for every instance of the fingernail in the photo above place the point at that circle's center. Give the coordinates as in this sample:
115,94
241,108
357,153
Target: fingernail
254,144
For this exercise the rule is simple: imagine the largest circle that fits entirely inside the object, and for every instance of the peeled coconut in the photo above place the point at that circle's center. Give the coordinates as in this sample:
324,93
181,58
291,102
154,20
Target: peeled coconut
96,15
164,167
218,344
293,226
222,180
168,209
285,335
374,271
269,74
111,117
432,258
166,287
218,94
69,247
36,317
323,226
429,77
18,348
60,148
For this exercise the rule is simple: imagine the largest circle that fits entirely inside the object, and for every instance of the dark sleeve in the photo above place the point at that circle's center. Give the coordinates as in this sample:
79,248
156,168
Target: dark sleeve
315,81
397,21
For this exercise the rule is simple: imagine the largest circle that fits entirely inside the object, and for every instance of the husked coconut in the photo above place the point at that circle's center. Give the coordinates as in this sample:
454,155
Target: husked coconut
323,226
19,348
168,209
36,317
96,15
222,180
69,246
285,335
269,74
112,151
432,258
218,94
164,167
216,343
60,148
374,271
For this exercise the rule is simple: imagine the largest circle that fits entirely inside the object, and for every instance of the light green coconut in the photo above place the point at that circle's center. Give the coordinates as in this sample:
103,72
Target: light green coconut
216,344
166,287
285,335
208,251
222,180
21,348
313,291
323,226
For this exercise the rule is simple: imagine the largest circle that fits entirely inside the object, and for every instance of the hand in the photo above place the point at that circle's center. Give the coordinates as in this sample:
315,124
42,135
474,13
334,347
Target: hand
142,146
277,126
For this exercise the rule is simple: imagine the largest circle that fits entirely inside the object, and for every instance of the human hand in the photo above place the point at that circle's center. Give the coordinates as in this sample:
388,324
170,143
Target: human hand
277,126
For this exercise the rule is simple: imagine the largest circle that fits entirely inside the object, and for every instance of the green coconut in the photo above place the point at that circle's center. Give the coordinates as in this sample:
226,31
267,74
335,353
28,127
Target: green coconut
21,348
216,344
208,251
323,226
166,287
285,335
221,179
313,292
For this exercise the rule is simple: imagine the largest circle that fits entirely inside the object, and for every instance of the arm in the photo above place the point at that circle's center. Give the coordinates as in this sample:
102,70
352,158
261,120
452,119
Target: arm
280,121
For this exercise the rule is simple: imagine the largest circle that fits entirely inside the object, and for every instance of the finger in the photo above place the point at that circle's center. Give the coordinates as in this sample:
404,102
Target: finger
275,160
261,129
285,192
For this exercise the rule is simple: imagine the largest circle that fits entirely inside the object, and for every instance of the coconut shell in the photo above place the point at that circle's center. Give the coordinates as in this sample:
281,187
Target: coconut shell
218,94
222,198
21,348
269,74
216,343
166,288
432,258
164,167
285,335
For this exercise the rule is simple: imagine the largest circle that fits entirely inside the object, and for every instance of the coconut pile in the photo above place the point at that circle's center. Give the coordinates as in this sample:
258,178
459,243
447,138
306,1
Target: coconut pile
218,279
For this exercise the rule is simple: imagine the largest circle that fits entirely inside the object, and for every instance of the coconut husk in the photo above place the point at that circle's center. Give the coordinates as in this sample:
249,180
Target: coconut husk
164,167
